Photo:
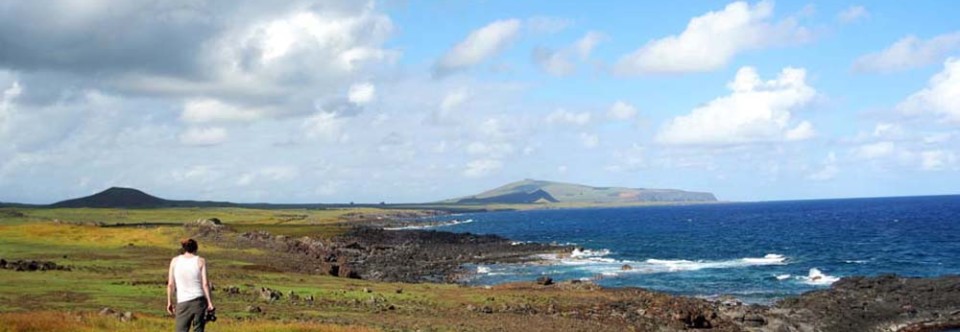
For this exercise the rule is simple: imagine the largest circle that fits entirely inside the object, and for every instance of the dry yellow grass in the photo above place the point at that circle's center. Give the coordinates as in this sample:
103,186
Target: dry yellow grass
76,235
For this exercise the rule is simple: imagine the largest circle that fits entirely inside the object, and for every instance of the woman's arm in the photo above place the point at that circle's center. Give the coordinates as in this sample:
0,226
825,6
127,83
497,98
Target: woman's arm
205,284
170,287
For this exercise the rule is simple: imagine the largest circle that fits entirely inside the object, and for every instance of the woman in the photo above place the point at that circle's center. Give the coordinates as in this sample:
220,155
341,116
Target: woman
188,275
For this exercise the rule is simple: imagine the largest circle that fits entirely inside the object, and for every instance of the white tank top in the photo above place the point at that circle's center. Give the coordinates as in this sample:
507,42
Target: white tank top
186,274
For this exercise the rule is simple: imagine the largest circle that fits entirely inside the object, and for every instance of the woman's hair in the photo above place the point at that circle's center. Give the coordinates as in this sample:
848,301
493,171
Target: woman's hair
188,245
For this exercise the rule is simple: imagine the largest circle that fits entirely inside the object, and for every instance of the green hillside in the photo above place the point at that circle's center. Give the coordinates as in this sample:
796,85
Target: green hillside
536,191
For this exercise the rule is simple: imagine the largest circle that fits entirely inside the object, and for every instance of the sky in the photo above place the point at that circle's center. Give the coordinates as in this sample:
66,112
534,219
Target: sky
418,101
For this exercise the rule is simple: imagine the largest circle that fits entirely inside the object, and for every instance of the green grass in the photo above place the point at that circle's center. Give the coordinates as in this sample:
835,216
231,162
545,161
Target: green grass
125,268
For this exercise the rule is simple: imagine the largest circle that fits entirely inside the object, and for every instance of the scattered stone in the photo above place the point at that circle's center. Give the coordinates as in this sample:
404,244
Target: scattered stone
254,309
293,296
125,316
399,291
12,214
486,309
106,311
367,290
269,295
626,267
471,307
233,290
544,280
31,265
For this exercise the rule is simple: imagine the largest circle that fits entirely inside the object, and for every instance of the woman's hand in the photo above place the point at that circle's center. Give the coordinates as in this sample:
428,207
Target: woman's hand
170,308
210,306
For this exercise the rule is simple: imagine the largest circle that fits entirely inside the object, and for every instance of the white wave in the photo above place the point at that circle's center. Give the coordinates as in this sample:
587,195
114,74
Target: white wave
595,262
688,265
817,278
782,277
859,261
587,253
482,269
768,259
431,225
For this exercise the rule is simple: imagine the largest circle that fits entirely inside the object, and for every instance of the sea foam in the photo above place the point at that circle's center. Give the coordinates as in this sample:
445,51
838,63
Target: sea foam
818,278
595,261
431,225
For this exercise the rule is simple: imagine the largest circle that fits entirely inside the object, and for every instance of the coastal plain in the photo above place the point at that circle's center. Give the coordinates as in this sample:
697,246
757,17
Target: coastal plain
87,269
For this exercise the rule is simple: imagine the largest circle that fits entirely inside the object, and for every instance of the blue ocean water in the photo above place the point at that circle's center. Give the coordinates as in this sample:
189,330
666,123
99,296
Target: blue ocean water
757,252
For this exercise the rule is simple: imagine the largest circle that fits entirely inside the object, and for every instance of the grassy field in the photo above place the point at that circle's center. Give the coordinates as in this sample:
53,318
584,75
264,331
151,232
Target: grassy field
124,268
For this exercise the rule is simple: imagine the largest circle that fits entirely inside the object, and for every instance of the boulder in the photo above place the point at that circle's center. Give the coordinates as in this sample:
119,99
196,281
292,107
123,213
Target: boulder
626,267
544,280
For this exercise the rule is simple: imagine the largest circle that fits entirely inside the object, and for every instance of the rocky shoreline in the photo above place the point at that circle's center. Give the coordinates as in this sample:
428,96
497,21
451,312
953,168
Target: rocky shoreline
882,303
373,253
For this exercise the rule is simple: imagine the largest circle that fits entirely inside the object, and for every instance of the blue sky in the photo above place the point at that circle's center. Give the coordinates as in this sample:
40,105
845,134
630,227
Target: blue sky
413,101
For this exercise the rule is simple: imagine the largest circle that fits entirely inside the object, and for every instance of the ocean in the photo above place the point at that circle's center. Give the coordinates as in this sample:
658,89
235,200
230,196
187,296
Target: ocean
757,252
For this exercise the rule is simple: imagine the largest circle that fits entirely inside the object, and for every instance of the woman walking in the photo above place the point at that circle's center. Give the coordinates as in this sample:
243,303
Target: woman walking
188,276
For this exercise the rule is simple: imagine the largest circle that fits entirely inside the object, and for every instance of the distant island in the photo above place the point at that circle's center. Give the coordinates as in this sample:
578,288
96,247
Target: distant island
526,192
543,192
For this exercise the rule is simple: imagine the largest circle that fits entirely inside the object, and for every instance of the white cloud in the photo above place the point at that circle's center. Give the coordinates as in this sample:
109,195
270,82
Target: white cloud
802,131
344,40
362,93
887,130
828,171
482,167
755,111
631,159
940,98
204,136
480,45
711,40
559,62
212,110
6,104
589,140
853,14
197,174
544,24
562,116
621,110
280,173
935,160
909,52
553,62
325,126
490,149
454,99
585,45
876,150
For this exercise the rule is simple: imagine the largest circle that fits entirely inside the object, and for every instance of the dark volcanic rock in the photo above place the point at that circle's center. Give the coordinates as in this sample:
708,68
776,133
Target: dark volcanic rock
544,280
392,255
31,265
882,303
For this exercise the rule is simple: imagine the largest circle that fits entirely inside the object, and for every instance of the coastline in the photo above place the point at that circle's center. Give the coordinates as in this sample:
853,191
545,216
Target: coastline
880,303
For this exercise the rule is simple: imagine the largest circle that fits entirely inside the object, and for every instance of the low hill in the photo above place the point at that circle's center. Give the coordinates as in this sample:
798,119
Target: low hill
114,197
536,191
117,197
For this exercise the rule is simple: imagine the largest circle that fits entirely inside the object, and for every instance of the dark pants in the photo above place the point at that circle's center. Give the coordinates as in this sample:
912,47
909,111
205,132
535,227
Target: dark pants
191,313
